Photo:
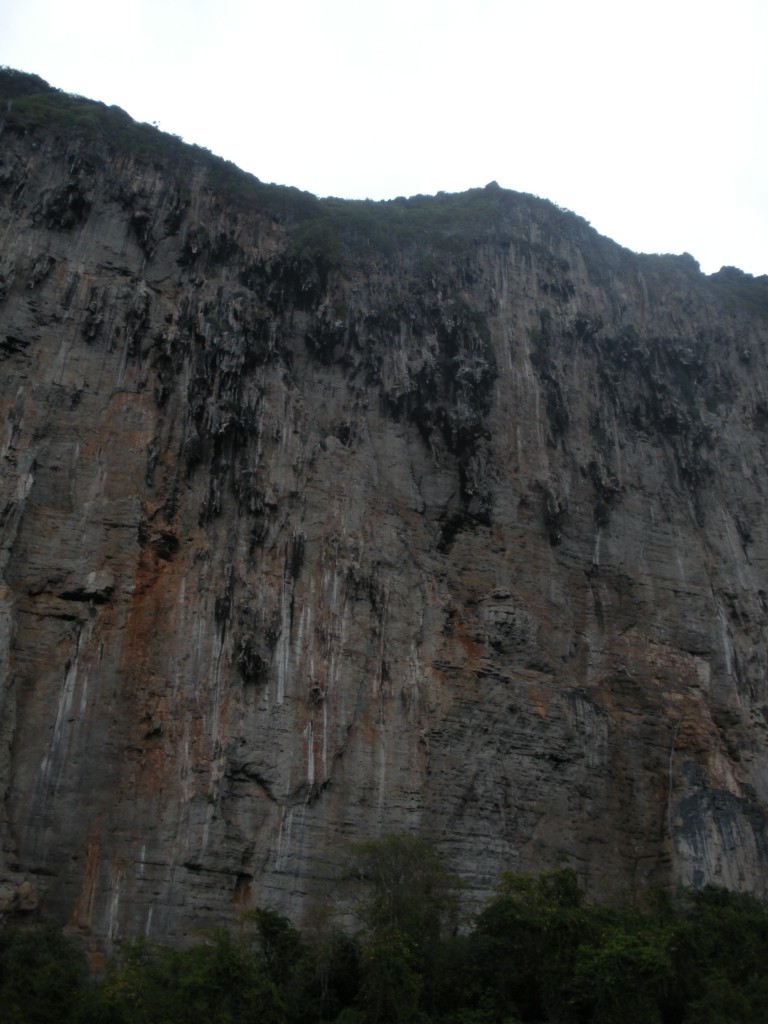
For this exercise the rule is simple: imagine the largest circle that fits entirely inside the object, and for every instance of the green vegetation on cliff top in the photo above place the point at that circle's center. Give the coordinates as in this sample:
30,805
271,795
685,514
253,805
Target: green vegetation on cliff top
329,228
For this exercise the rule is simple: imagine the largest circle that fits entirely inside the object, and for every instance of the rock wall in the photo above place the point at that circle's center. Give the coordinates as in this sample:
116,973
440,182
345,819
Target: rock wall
298,550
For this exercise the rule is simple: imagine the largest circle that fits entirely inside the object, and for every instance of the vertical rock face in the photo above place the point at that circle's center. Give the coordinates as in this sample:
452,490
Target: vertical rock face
299,547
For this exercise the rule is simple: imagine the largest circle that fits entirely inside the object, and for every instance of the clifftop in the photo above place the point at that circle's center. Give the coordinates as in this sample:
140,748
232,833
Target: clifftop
331,229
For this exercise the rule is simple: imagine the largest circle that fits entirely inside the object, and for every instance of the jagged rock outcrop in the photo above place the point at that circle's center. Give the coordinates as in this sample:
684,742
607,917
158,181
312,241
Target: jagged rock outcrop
320,521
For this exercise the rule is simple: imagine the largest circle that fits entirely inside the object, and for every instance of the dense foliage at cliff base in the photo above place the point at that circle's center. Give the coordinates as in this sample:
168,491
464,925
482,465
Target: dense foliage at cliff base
536,952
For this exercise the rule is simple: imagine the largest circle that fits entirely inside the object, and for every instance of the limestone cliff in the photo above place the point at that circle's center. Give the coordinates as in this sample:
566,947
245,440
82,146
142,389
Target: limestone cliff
323,519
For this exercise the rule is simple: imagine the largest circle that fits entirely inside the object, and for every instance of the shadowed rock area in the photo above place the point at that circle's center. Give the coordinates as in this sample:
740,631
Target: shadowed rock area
322,520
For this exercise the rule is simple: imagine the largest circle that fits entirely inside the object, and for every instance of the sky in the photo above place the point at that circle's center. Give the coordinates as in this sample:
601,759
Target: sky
648,119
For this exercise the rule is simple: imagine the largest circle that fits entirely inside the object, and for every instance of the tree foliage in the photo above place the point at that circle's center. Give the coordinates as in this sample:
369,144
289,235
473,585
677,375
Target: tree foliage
537,952
408,887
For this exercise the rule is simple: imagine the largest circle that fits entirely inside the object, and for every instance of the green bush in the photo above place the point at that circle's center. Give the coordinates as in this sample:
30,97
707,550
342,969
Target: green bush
538,953
41,976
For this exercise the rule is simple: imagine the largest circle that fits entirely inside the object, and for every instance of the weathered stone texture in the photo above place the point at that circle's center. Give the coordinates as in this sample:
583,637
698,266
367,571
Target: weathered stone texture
294,554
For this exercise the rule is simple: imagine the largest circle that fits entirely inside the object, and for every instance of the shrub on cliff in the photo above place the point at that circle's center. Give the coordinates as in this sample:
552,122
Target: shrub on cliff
42,975
537,952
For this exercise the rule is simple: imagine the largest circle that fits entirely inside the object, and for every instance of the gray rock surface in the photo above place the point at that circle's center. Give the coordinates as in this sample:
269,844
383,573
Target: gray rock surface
297,551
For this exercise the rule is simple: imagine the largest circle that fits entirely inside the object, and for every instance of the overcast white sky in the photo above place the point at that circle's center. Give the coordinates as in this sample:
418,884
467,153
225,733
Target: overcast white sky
648,119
